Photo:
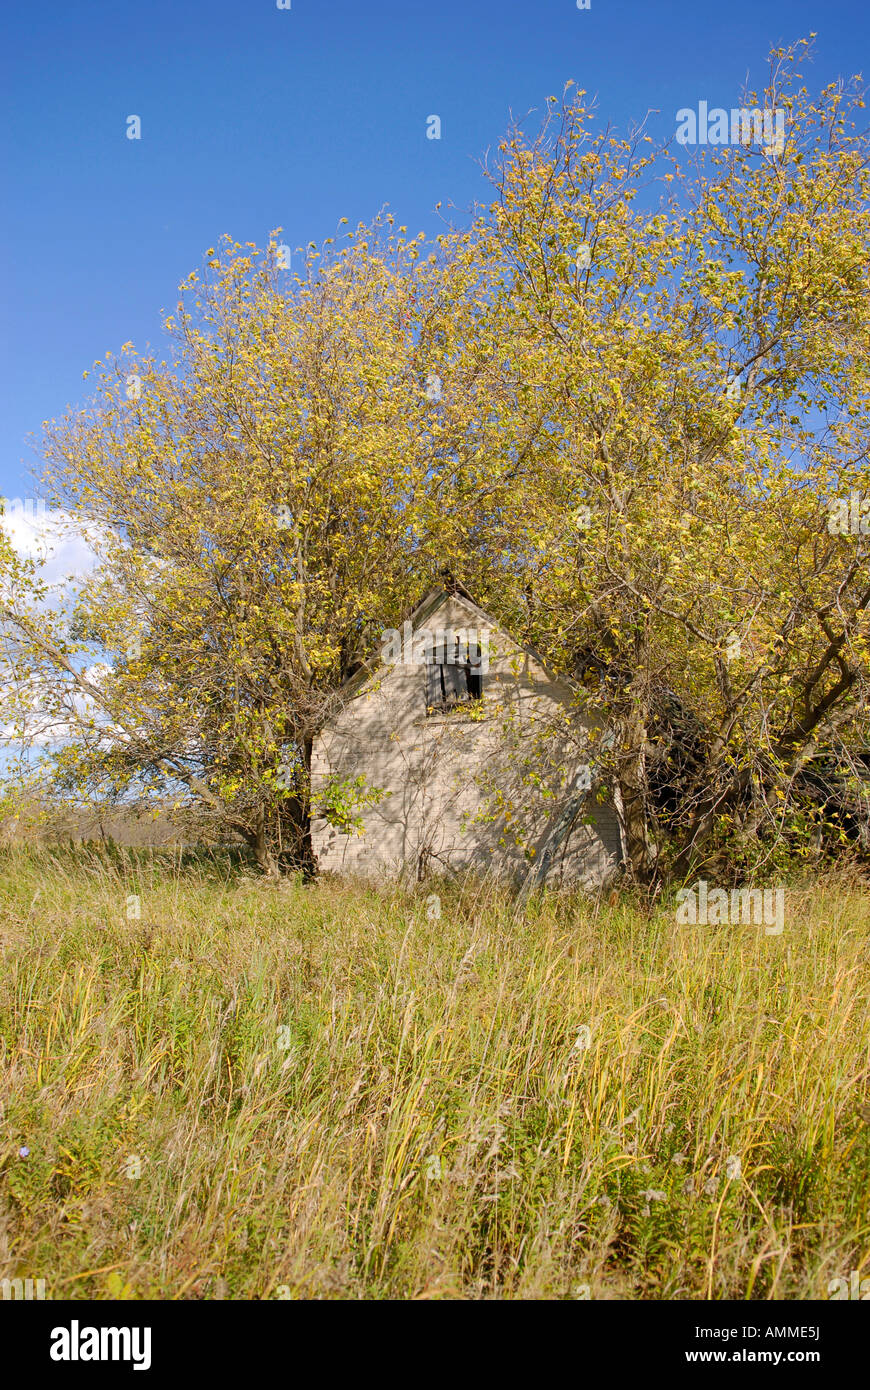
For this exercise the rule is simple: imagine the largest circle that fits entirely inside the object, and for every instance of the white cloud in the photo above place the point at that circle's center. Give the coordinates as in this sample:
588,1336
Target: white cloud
65,554
63,547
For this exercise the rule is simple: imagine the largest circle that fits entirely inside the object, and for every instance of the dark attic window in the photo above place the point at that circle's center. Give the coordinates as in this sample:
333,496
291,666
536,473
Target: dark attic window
453,675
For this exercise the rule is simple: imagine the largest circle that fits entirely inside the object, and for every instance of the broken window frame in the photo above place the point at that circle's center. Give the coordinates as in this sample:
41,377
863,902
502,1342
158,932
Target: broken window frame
453,683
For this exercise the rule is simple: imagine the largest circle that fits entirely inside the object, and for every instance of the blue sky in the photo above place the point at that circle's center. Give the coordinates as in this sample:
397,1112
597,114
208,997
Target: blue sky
255,117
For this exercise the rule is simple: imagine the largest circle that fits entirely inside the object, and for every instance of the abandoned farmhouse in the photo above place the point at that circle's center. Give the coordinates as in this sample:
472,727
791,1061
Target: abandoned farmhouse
479,756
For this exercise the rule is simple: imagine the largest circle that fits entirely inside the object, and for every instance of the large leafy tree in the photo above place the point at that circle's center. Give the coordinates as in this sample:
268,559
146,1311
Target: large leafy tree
265,503
693,334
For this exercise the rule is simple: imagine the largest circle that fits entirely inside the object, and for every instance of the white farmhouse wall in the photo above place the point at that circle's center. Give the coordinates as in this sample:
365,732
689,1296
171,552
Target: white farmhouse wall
442,771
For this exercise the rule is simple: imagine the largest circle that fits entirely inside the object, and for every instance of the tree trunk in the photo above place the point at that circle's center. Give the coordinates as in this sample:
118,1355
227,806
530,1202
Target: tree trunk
295,821
258,839
634,791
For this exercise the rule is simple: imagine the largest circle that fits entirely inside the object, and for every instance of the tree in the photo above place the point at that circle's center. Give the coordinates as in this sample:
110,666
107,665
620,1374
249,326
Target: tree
701,368
264,505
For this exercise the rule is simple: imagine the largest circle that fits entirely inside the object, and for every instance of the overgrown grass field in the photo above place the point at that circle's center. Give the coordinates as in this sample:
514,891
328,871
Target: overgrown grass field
331,1091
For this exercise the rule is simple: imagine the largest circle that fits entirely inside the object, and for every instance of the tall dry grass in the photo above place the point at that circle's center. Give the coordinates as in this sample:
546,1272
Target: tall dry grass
329,1091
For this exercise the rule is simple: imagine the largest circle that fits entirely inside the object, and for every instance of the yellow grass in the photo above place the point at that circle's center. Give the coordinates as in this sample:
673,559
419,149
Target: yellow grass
330,1091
